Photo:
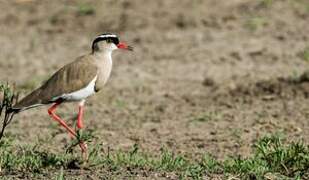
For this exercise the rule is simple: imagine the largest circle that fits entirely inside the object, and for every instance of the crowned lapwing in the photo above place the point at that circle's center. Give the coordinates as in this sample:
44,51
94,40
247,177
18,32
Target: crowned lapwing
75,82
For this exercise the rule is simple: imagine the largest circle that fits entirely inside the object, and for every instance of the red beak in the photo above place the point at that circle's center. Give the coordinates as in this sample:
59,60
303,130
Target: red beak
123,45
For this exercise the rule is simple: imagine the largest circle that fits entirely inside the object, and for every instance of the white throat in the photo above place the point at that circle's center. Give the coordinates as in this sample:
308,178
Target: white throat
105,63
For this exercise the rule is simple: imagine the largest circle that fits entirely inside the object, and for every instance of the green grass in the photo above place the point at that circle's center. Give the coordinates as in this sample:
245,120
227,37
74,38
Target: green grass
272,156
28,158
255,23
60,176
6,93
85,9
305,54
119,103
266,3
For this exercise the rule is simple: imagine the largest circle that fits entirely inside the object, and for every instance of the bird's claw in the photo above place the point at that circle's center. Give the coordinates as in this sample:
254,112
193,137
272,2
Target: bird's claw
84,148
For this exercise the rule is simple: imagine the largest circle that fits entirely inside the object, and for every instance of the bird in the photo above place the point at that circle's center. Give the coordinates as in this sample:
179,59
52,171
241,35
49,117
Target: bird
75,82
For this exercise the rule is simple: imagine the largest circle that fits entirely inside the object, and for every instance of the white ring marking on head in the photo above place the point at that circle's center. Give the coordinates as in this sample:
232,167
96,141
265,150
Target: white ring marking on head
107,36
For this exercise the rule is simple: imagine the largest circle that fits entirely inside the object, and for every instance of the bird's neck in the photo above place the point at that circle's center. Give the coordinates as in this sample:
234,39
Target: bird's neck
104,63
104,57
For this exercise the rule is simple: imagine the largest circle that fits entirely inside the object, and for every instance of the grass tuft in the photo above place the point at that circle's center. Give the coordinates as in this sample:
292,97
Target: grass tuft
272,157
82,136
305,54
85,9
28,158
60,175
266,3
255,23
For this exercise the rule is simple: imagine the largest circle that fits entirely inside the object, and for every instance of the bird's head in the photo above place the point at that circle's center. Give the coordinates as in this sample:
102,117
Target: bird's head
108,42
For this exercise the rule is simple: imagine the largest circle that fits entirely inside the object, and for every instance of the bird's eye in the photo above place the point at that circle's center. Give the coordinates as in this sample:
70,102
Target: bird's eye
109,41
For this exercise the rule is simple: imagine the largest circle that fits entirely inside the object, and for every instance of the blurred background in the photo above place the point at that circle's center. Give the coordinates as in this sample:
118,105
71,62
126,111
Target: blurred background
206,75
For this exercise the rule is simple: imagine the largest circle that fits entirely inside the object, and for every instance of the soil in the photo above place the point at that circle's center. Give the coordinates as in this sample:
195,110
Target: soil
206,76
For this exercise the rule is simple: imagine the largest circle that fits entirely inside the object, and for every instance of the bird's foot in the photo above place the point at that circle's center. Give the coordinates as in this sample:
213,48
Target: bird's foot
84,149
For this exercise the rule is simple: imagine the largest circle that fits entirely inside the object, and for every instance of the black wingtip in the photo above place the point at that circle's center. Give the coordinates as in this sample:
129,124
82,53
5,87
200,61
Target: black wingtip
13,110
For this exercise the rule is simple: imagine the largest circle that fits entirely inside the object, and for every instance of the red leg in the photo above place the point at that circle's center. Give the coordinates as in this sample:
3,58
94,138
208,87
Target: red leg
58,119
51,112
80,123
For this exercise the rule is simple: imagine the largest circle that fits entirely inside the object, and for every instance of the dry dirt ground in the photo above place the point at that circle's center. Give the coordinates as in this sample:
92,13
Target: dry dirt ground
206,75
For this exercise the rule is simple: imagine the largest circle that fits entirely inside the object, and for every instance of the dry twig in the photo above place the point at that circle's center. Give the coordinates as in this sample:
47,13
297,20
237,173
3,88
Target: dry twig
7,99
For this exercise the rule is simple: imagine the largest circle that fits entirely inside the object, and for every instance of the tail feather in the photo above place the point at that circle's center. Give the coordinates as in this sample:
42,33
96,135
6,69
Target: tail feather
30,101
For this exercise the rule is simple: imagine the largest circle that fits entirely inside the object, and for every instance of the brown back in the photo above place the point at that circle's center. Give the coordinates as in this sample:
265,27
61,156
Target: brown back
72,77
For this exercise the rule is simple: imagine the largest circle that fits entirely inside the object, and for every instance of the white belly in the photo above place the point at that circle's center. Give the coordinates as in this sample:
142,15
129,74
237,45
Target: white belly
82,93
